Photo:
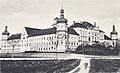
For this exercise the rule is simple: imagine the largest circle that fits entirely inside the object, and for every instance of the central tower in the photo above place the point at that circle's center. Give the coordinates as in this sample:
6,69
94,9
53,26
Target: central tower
61,33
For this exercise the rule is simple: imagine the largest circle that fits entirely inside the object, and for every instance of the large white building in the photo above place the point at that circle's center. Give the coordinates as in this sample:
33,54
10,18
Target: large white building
59,38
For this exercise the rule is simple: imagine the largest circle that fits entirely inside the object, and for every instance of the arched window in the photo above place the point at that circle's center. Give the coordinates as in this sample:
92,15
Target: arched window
74,43
71,43
89,39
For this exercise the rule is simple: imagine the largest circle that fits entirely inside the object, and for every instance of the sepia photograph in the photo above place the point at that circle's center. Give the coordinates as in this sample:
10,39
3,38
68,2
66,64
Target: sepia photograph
59,36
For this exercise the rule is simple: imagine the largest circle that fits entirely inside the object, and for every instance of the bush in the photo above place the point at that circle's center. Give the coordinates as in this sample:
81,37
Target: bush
97,49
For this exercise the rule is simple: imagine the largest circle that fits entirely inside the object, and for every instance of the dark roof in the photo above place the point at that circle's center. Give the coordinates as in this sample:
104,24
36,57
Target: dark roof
72,31
101,31
36,32
80,25
107,38
87,24
15,36
5,33
61,20
84,24
114,32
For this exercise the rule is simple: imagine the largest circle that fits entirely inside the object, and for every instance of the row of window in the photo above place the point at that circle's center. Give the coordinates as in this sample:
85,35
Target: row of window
16,49
42,48
42,38
73,43
73,37
42,43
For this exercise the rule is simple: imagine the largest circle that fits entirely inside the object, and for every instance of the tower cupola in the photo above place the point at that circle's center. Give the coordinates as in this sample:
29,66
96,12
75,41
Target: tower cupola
114,31
61,19
6,31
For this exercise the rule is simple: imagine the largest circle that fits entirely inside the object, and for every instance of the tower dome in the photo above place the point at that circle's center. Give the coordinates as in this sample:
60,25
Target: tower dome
61,19
114,31
6,31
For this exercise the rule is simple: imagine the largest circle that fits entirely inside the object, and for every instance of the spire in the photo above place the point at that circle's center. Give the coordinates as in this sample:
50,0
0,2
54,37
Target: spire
5,28
62,12
61,19
113,27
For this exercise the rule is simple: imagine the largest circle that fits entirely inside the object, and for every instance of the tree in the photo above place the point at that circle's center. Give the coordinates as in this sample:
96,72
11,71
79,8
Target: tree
13,43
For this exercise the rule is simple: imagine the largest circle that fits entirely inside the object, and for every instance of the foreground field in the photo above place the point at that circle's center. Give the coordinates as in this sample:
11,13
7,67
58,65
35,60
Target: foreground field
38,66
61,66
105,66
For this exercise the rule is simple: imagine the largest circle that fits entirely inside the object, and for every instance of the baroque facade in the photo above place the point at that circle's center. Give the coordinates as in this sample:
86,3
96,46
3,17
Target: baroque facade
59,38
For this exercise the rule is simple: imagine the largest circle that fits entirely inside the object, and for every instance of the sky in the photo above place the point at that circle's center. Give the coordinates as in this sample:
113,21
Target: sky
17,14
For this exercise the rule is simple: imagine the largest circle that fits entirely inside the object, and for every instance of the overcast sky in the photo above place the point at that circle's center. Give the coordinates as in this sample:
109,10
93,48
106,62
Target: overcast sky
40,13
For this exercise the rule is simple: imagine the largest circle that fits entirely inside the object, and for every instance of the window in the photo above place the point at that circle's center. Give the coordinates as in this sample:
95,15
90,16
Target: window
89,39
29,44
74,43
23,37
44,38
4,46
77,43
71,43
49,48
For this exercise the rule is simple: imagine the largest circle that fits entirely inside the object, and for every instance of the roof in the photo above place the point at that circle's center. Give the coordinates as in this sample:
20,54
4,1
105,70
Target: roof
84,24
107,38
72,31
61,20
80,25
37,32
114,32
101,31
87,24
15,36
5,33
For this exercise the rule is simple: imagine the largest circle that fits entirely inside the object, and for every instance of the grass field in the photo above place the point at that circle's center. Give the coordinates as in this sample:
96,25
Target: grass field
38,66
105,66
